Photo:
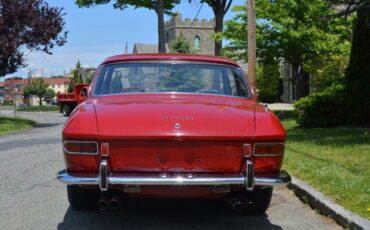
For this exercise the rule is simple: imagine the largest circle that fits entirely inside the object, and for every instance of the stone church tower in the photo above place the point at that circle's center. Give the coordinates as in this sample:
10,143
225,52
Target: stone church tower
197,33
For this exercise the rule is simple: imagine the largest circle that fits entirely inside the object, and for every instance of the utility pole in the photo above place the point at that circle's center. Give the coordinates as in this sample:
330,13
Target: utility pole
252,45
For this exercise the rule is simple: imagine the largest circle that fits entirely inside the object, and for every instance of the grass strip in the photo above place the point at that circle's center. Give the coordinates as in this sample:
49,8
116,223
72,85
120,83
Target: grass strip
8,124
335,161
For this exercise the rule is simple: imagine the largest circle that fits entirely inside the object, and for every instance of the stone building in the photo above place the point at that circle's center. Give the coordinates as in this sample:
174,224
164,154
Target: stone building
198,33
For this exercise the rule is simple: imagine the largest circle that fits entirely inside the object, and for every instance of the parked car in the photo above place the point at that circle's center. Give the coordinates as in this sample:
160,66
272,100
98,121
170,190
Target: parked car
20,104
172,126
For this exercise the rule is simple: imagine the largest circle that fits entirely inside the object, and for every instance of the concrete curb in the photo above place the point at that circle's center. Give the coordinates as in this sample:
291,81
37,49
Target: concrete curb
327,206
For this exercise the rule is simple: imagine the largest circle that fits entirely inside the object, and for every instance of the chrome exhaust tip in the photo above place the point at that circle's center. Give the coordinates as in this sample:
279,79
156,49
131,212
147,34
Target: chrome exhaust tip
115,203
237,204
102,204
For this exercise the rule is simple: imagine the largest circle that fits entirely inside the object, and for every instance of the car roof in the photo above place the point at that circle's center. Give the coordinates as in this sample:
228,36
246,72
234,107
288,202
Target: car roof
169,57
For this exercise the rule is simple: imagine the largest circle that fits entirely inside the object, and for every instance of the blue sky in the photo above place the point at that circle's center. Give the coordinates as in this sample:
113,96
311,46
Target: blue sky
98,32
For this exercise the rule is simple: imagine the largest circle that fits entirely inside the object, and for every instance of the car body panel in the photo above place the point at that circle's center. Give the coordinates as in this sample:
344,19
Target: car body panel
173,133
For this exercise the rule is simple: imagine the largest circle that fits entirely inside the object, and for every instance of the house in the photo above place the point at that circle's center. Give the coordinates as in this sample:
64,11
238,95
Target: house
13,88
2,92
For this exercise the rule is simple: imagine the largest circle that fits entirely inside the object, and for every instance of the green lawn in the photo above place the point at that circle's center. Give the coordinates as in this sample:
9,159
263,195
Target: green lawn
13,124
336,161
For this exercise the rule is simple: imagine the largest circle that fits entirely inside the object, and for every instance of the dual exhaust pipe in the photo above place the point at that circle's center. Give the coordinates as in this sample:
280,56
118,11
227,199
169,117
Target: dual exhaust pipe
107,203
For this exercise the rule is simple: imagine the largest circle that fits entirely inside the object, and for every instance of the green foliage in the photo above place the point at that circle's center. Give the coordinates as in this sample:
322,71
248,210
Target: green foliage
180,45
293,30
321,109
41,108
270,84
50,94
6,102
297,31
168,5
76,78
327,70
36,87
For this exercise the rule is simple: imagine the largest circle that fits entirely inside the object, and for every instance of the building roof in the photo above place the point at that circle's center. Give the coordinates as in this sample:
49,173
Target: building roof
141,48
56,80
145,48
170,57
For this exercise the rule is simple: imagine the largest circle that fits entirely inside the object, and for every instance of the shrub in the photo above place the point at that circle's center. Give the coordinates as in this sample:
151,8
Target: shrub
41,108
269,82
321,109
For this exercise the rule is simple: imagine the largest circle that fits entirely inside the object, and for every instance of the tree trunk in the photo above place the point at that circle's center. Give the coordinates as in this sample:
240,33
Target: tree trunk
357,85
40,101
160,16
299,81
219,25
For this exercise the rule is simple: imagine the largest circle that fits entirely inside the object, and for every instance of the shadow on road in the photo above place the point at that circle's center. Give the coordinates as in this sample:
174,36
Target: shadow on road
165,214
43,125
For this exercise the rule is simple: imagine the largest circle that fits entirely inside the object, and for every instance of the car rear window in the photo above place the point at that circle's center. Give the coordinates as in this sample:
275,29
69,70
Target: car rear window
166,77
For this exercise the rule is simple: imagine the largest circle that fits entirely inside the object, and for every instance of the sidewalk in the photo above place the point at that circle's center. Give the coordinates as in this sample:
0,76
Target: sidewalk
280,106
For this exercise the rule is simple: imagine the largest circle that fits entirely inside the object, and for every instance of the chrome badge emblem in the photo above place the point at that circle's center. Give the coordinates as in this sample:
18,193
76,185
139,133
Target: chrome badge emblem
177,126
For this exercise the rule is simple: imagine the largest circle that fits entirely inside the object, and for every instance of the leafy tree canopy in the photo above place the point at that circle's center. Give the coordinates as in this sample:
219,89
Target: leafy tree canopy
36,87
294,30
168,5
30,24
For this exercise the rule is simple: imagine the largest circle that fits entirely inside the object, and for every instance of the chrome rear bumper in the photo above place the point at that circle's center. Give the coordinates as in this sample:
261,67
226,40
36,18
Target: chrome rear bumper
173,179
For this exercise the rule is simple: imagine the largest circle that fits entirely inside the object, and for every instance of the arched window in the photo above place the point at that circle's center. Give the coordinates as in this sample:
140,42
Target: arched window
196,43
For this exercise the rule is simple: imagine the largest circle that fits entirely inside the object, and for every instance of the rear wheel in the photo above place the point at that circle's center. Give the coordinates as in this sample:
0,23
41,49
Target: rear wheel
259,200
66,110
80,198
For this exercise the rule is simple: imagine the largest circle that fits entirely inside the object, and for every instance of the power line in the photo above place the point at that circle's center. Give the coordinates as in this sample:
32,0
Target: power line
200,8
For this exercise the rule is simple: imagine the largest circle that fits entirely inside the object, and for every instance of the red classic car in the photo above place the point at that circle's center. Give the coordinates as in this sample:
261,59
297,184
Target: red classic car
172,126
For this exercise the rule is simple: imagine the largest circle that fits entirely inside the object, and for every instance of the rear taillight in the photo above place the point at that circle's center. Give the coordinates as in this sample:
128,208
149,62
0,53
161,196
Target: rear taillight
268,149
81,147
247,150
104,149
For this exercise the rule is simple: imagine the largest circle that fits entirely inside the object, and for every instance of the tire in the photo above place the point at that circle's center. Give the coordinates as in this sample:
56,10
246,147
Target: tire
259,200
66,110
82,199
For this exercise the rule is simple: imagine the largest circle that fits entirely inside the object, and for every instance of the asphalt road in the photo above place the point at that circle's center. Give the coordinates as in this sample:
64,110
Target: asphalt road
32,198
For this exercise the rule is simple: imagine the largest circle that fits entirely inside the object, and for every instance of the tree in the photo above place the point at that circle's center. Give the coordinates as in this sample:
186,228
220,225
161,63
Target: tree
49,95
36,87
180,45
270,84
30,24
220,8
76,77
159,6
296,31
357,79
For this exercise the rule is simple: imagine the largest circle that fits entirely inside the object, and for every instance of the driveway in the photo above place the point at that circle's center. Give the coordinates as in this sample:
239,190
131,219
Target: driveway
31,197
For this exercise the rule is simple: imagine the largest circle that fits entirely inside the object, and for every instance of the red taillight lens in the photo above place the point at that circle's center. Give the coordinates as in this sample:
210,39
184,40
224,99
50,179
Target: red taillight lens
104,149
81,147
247,150
268,149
